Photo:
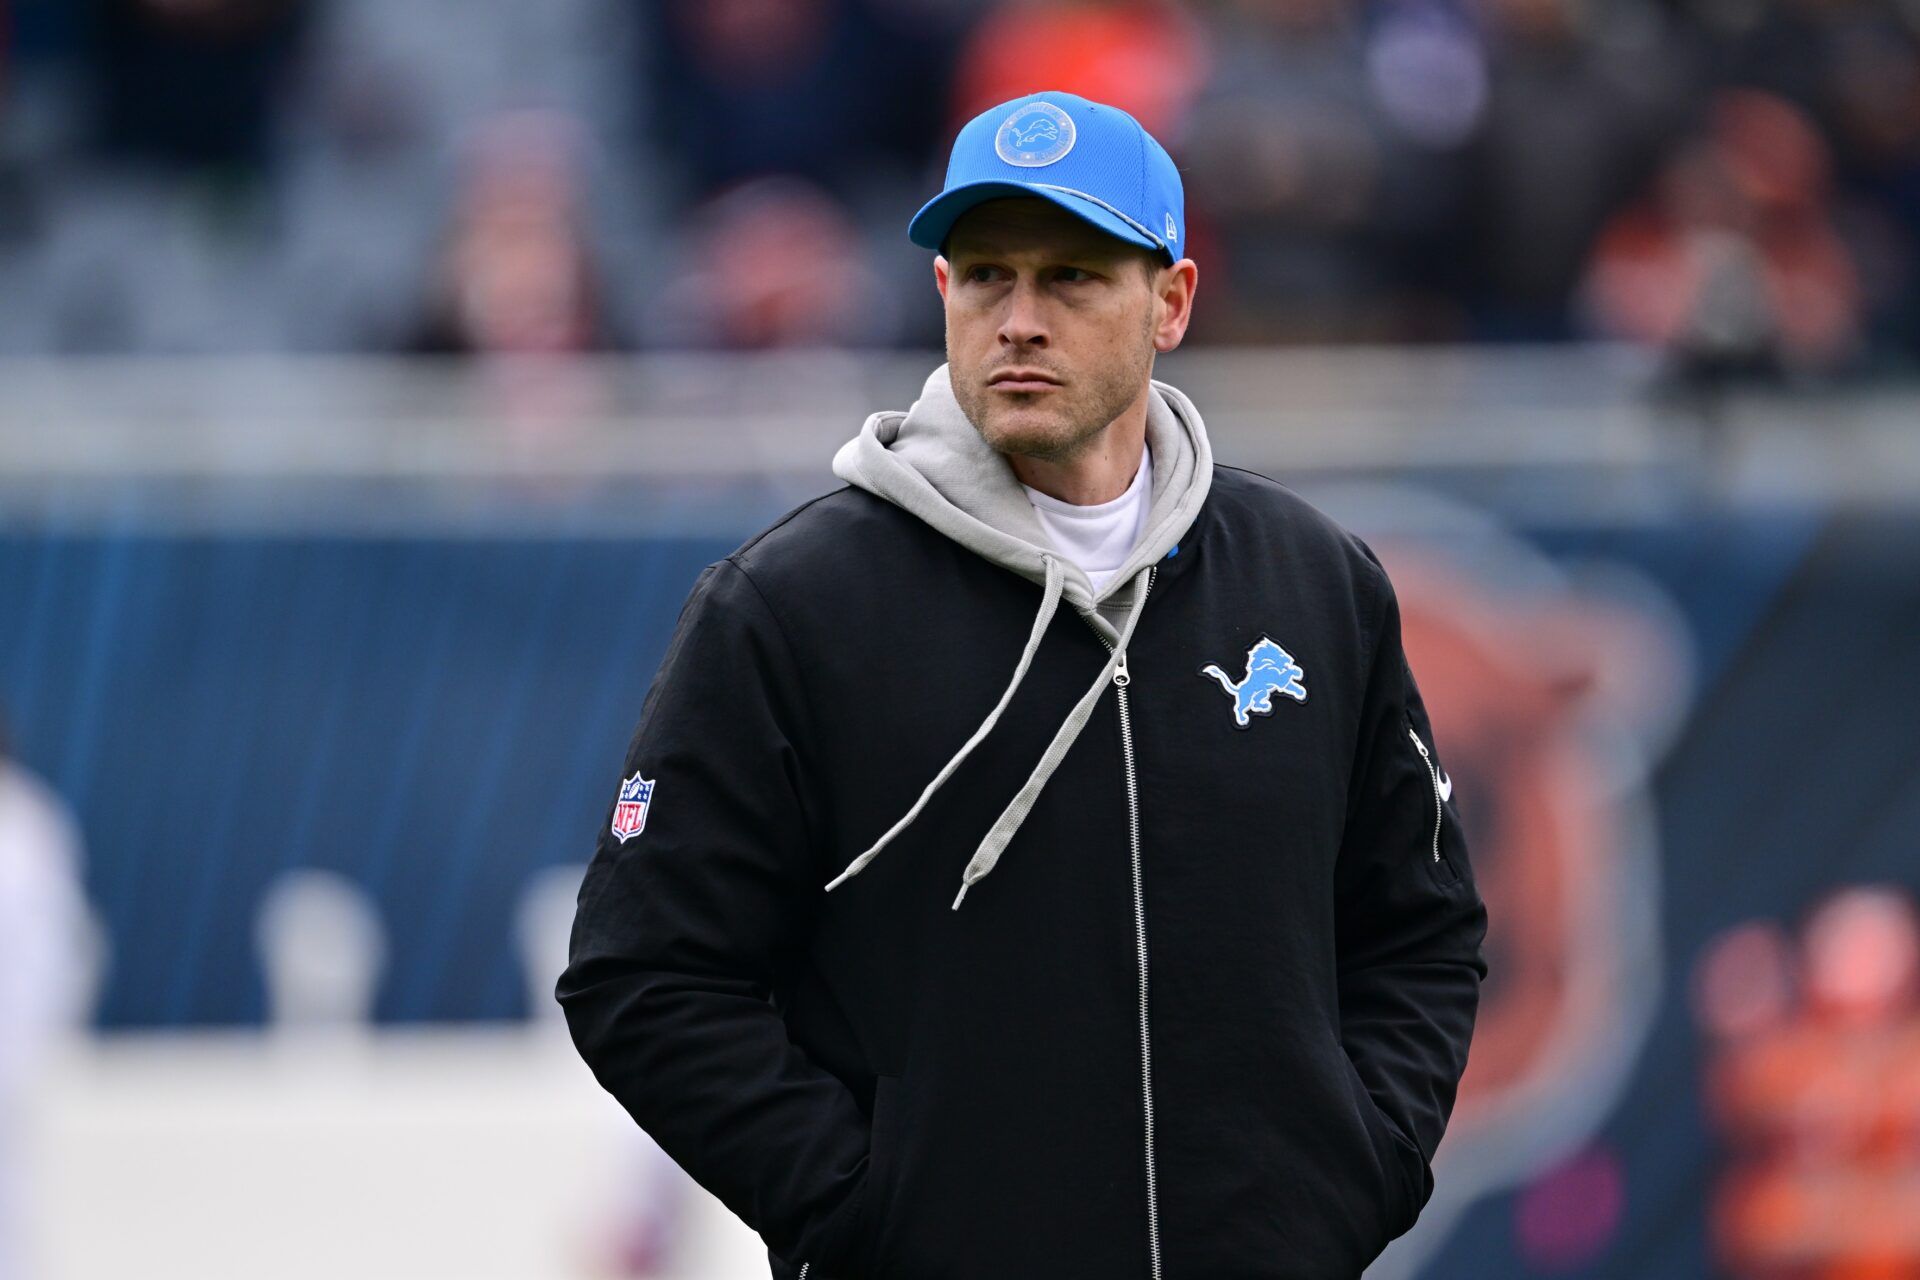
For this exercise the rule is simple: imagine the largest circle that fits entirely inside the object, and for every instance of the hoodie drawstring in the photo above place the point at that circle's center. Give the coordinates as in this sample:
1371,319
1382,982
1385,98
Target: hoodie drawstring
1015,813
1008,823
1049,602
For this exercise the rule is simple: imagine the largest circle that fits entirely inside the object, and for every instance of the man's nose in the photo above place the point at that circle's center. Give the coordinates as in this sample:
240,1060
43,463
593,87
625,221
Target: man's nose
1025,321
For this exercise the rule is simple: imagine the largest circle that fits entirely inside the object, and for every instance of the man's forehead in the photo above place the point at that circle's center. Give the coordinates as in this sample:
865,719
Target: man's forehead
1015,223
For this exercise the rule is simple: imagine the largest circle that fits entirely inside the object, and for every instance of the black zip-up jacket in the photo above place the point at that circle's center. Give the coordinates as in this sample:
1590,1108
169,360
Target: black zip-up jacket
1205,1020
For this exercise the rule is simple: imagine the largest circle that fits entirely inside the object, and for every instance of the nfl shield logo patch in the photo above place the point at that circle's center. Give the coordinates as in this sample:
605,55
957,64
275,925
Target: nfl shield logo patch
630,811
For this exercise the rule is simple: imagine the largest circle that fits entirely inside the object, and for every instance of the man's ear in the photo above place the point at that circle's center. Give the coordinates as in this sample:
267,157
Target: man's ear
940,268
1174,287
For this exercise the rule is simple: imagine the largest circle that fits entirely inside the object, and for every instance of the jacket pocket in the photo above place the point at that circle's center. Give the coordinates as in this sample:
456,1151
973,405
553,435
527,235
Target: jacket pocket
863,1248
880,1152
1392,1154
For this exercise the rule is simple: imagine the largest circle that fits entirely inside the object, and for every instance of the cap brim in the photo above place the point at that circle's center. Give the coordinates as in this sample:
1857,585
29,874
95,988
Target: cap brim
930,226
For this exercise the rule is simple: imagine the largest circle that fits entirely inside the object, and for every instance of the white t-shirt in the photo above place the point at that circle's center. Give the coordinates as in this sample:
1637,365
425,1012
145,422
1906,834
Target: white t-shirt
1099,537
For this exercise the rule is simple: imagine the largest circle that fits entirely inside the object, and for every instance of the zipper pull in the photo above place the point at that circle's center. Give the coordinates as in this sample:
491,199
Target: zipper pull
1433,776
1120,675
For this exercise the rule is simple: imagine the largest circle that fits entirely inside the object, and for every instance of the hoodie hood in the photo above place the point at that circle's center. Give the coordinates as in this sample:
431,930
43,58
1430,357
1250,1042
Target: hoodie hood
932,462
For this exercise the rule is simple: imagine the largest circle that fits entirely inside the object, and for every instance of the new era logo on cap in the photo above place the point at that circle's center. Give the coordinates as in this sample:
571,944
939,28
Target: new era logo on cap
1091,159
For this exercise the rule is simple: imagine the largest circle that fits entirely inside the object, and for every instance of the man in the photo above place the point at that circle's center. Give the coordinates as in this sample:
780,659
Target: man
1201,1001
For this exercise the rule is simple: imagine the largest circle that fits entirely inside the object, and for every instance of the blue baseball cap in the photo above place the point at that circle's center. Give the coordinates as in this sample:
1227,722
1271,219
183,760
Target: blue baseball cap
1091,159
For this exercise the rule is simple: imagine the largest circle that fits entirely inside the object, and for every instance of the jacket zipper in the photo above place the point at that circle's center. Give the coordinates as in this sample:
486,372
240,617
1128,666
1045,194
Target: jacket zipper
804,1268
1121,679
1433,776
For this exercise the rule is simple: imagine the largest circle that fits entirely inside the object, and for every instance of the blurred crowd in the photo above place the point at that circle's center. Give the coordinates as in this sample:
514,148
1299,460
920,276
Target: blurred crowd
1733,182
1813,1081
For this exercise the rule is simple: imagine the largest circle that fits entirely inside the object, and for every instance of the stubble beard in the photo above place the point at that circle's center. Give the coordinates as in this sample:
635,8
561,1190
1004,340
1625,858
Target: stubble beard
1109,391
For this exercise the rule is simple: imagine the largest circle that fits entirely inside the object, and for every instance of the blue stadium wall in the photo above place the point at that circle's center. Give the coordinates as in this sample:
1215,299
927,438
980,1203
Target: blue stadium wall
439,718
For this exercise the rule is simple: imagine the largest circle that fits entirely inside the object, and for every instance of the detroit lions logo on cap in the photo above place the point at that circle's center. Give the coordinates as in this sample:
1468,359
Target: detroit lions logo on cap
1270,670
1038,133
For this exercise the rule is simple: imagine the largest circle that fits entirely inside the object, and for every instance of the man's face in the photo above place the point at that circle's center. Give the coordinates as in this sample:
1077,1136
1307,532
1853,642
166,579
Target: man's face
1034,290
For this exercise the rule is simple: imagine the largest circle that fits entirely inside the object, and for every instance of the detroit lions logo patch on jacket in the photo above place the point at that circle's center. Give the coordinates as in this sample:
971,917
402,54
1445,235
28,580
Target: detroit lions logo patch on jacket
1270,670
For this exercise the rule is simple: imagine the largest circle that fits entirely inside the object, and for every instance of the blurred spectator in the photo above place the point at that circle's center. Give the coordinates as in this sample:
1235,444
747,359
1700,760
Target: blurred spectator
1813,1078
1147,57
44,969
516,276
194,83
1428,73
323,950
1873,103
1580,97
1732,263
1283,158
772,263
844,93
39,43
1370,170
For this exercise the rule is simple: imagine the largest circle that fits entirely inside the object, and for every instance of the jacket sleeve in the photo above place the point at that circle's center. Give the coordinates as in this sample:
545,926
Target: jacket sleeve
681,929
1409,928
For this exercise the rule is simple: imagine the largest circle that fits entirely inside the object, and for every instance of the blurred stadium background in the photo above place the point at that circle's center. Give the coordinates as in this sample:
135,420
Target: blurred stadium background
376,375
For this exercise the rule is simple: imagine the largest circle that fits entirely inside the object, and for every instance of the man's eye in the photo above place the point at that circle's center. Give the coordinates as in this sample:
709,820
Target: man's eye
979,274
1073,275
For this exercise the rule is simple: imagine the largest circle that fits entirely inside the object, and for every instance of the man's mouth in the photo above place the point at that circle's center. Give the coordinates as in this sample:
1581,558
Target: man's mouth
1023,380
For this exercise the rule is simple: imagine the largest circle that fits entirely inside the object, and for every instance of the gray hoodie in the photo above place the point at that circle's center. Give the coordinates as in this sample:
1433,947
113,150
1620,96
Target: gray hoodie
932,462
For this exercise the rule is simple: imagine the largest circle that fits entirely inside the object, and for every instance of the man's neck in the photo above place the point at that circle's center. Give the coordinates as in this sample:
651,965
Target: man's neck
1101,471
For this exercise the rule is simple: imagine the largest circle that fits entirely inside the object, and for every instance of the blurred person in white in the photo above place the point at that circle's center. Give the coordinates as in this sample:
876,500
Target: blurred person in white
44,974
322,950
